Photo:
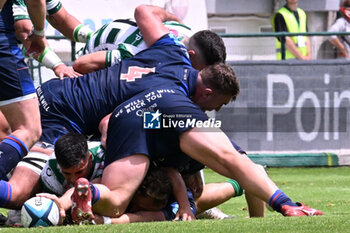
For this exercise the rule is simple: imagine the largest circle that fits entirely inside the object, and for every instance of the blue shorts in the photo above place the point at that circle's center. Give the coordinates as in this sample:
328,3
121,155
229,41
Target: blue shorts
16,83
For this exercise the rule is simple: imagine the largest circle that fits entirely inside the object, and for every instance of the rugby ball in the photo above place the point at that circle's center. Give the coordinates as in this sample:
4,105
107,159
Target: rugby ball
39,211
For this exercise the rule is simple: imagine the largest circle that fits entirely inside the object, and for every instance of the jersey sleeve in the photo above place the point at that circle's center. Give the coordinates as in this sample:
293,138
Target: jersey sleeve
338,26
53,6
51,180
20,10
98,156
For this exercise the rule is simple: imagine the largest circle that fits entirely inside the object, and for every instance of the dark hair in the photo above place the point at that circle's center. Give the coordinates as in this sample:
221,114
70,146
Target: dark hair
345,3
210,46
70,149
221,78
156,185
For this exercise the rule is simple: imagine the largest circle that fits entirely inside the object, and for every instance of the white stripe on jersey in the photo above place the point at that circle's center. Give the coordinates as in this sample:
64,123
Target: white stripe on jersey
111,36
20,10
52,4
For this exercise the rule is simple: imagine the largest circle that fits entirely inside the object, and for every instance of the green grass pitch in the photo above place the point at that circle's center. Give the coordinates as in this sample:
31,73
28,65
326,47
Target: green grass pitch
327,189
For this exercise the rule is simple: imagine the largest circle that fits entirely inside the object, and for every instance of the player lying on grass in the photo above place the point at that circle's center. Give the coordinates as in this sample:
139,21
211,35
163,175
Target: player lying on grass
212,149
73,161
60,19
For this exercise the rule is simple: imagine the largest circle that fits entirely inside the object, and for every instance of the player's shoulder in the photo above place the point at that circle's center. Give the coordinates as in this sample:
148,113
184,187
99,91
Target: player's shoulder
97,151
51,178
168,39
179,30
343,21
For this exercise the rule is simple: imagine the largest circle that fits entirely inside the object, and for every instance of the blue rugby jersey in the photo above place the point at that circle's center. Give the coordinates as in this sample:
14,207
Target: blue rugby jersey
128,132
127,135
79,104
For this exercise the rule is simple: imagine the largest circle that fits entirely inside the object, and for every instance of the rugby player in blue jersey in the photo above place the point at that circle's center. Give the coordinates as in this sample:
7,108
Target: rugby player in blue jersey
130,147
79,104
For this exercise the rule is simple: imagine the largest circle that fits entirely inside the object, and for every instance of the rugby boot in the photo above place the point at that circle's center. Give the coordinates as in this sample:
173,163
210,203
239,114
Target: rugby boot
300,210
81,202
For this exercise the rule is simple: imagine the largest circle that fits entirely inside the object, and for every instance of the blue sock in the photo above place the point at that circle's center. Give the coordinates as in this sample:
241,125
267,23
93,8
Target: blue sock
95,193
12,151
279,199
5,193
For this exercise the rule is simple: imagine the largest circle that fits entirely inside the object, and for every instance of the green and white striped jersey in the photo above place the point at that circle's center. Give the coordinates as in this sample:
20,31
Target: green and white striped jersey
122,39
52,180
20,11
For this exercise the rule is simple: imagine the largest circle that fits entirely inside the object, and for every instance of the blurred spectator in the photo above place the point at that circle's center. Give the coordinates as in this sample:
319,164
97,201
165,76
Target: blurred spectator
290,18
342,25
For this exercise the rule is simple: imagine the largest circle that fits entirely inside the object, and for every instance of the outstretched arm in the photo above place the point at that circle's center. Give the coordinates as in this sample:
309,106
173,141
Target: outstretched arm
150,21
90,62
64,22
48,57
180,193
69,26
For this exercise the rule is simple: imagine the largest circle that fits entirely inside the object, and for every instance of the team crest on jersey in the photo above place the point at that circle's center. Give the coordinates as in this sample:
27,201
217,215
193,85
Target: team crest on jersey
151,120
135,72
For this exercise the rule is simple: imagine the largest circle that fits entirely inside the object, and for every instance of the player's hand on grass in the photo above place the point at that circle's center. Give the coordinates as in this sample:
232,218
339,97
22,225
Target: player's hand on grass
62,71
58,203
184,214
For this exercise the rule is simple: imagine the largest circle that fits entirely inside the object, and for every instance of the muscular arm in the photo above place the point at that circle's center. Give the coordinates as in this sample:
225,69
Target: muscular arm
37,13
22,30
116,192
215,150
180,193
64,22
90,62
150,21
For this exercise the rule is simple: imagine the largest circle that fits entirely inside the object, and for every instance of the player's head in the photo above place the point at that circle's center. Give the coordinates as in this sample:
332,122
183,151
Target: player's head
292,1
217,85
345,9
206,48
73,157
154,192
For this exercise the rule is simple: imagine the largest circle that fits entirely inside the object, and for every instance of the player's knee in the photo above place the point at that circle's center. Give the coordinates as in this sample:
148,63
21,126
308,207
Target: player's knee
34,132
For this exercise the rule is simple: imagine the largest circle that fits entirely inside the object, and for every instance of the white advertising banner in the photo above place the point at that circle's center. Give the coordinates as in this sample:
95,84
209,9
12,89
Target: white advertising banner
96,13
